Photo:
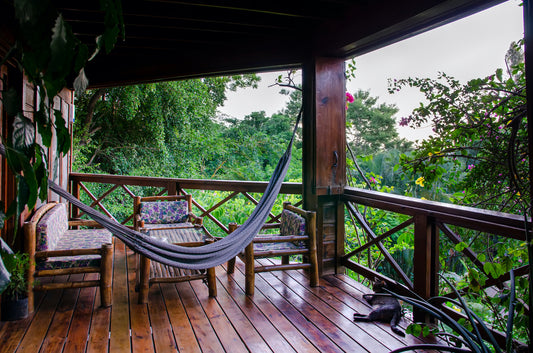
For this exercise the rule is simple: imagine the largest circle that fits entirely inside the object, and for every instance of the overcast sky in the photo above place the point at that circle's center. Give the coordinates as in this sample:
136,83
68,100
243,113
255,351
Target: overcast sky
469,48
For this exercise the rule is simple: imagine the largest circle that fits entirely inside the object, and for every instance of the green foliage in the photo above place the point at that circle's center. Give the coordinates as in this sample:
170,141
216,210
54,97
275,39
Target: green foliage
470,334
49,54
479,146
371,128
16,264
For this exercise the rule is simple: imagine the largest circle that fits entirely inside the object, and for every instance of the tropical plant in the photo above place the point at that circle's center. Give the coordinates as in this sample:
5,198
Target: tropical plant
17,265
48,53
479,145
470,334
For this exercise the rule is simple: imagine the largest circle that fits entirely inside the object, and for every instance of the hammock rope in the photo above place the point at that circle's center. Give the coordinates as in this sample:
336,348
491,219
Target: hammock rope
195,258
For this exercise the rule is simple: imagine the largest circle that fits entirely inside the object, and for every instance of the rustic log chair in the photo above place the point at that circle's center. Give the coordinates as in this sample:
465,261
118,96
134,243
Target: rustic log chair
171,218
297,236
56,250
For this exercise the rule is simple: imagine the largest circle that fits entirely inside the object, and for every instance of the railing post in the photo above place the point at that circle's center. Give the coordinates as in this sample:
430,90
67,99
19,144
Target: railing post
172,188
75,191
425,262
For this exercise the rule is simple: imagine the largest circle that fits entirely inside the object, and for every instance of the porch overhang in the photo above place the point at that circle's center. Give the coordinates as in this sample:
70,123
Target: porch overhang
170,40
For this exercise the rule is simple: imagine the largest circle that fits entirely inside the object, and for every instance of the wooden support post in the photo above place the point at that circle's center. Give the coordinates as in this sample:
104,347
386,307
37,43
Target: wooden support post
324,155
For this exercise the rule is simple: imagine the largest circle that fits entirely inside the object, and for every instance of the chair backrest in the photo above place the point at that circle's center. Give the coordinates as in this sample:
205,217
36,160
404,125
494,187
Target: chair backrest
292,223
164,212
51,227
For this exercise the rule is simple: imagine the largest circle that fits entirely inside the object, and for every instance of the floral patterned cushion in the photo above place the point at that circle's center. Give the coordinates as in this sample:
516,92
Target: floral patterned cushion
77,239
164,212
51,227
291,223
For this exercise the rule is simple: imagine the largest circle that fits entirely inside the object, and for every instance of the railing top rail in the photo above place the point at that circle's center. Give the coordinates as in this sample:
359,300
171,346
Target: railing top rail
200,184
506,224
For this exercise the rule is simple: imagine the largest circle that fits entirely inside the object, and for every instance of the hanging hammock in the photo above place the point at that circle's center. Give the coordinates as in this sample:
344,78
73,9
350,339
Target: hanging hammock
194,258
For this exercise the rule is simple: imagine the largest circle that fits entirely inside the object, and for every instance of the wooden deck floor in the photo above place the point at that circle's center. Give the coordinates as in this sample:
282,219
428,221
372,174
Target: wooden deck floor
284,315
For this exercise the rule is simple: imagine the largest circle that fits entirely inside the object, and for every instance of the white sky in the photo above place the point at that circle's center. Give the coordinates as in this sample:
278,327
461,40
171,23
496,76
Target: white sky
469,48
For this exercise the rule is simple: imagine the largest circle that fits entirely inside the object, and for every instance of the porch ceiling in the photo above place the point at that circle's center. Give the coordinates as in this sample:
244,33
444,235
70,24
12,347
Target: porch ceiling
172,39
168,39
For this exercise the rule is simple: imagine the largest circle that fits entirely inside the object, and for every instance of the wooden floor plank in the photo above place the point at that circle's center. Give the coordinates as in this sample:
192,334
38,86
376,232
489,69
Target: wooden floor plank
141,333
36,333
59,328
98,340
324,321
120,315
340,317
284,315
164,341
264,316
79,330
183,331
235,336
297,319
12,332
347,305
207,337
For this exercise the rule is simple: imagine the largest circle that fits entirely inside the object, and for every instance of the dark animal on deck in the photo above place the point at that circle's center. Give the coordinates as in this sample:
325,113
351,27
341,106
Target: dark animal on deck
386,308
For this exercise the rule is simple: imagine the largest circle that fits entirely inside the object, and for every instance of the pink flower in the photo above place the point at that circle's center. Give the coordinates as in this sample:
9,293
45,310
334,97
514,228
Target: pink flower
404,121
349,97
373,180
470,166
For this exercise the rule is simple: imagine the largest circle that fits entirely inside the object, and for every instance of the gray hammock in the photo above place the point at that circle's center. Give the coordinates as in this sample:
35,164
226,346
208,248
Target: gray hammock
195,258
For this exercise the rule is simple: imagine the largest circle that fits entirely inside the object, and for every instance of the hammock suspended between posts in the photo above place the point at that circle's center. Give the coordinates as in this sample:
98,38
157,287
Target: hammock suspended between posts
194,258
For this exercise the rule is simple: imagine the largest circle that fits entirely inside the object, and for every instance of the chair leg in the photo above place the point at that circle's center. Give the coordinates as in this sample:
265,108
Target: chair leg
106,275
144,274
212,282
249,269
231,266
313,271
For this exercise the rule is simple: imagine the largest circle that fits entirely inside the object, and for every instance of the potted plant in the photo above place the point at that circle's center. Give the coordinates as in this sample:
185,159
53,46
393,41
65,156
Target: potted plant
14,296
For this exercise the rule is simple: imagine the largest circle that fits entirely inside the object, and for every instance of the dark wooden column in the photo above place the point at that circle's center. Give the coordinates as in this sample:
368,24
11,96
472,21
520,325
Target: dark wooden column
324,154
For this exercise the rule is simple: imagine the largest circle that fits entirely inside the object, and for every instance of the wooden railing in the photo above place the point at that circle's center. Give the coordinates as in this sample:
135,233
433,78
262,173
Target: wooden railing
428,219
124,188
430,224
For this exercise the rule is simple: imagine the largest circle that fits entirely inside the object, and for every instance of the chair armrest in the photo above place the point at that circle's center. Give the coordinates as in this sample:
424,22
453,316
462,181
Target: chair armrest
84,223
194,219
71,252
271,225
279,239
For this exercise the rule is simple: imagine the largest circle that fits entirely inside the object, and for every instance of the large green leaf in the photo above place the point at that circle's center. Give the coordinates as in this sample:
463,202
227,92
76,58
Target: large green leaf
23,132
44,127
62,132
